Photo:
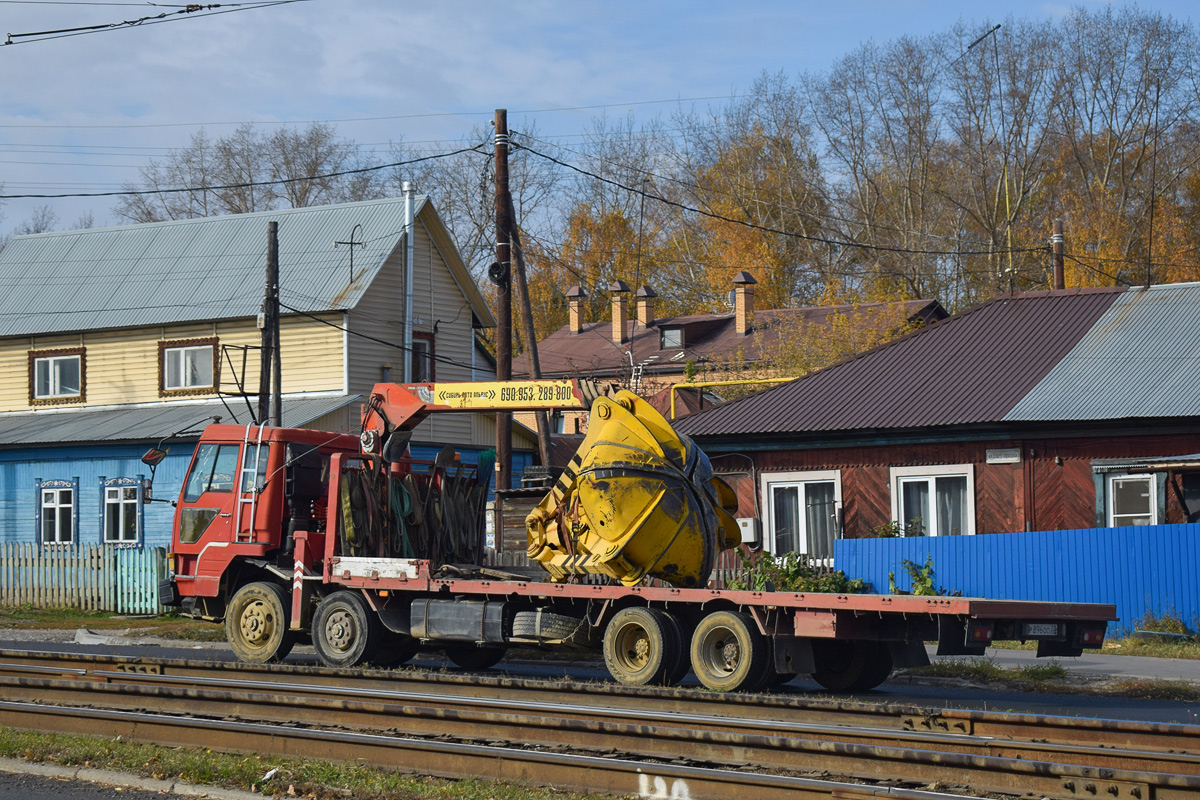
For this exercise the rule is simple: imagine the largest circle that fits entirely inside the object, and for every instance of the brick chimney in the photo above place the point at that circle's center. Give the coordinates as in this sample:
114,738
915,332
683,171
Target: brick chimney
743,301
620,310
643,304
575,297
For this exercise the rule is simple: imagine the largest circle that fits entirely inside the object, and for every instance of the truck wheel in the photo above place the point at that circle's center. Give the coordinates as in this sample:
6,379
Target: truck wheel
638,646
729,654
851,666
345,631
395,649
256,623
469,656
677,649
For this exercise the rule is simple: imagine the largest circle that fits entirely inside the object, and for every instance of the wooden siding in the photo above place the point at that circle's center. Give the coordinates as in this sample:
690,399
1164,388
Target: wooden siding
439,311
122,366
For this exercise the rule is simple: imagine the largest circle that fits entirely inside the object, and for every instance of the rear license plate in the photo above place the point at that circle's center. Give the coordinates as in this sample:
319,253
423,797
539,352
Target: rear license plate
1041,629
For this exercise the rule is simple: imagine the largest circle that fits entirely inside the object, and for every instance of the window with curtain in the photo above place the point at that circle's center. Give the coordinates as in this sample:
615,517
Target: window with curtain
802,512
934,501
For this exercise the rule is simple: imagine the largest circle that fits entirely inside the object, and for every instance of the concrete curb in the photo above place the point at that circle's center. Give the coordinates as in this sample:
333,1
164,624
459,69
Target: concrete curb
125,779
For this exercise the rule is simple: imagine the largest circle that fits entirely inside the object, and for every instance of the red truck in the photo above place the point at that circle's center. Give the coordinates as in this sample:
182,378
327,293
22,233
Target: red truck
287,534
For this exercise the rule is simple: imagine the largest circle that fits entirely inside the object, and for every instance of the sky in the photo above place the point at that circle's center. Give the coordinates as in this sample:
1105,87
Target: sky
81,113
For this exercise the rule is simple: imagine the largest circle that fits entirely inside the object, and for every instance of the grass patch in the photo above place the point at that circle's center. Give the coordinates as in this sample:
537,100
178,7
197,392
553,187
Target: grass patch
167,626
1053,677
1157,690
305,778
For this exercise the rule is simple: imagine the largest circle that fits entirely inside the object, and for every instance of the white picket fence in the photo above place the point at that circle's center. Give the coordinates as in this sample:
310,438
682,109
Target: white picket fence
87,577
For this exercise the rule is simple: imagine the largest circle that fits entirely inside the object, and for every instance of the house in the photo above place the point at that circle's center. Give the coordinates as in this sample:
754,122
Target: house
117,339
1039,411
649,353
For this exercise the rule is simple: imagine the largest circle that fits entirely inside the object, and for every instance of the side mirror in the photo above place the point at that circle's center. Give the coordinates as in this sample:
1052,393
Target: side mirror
154,456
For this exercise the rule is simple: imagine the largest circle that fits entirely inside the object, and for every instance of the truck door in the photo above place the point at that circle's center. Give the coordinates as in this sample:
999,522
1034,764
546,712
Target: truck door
206,508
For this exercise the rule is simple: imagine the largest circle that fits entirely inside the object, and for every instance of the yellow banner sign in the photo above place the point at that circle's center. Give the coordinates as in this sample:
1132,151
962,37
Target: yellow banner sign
501,395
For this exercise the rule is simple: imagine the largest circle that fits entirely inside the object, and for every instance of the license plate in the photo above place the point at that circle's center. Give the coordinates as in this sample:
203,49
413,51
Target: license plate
1041,629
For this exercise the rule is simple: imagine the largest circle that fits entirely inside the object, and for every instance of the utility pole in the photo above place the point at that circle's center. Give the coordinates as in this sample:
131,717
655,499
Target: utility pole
531,349
276,352
269,323
500,276
1056,241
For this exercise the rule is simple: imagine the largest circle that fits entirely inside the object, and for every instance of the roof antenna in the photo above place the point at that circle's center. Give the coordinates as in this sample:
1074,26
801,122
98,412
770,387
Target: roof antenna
352,243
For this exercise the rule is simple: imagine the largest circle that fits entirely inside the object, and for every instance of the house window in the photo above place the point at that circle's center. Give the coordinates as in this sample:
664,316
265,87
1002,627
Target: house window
56,375
935,501
802,512
122,510
58,515
422,358
1132,500
670,337
187,366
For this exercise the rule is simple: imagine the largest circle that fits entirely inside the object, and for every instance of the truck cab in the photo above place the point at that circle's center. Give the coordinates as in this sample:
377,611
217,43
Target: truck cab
246,490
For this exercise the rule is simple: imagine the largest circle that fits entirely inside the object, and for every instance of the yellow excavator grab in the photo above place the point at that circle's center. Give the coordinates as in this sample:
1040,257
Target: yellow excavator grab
638,499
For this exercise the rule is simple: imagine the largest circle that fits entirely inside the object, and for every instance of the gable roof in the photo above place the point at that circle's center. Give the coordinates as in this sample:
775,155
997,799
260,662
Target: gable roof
980,365
707,337
208,268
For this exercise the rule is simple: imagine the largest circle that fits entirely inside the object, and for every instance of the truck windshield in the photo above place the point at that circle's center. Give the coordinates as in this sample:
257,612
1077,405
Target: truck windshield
212,471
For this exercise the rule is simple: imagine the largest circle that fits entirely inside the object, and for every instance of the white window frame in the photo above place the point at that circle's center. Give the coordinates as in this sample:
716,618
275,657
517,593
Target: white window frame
207,355
54,496
672,331
125,507
1149,478
898,475
768,480
54,377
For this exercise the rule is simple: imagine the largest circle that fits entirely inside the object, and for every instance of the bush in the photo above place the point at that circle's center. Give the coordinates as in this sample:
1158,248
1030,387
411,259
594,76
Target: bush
793,572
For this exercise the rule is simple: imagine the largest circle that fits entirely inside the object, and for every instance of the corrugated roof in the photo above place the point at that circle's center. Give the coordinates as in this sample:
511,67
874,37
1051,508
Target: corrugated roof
1141,359
710,337
202,269
146,423
969,368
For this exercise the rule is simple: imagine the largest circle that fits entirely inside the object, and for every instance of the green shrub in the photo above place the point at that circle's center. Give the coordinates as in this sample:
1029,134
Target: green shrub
793,572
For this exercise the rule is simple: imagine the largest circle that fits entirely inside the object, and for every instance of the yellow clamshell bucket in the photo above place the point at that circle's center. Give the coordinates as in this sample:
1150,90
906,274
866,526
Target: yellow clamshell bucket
636,500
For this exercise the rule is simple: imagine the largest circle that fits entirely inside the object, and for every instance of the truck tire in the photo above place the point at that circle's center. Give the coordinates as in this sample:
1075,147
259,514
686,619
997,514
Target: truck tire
638,646
677,649
468,656
256,623
544,626
394,650
345,630
851,666
729,654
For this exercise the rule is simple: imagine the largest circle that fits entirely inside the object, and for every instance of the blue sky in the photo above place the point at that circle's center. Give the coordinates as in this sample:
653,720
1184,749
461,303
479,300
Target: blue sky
82,113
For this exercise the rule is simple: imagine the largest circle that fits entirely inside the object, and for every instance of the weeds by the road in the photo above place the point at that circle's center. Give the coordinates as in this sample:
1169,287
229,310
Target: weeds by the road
167,626
1053,677
311,778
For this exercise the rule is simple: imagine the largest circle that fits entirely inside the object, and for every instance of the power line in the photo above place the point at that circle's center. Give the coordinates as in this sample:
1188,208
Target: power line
245,185
195,9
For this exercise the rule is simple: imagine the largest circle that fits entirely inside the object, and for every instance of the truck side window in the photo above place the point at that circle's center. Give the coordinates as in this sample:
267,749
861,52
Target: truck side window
212,471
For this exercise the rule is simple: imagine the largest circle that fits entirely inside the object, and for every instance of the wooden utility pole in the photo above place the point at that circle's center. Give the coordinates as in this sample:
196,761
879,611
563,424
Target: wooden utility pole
1056,241
504,300
276,352
269,324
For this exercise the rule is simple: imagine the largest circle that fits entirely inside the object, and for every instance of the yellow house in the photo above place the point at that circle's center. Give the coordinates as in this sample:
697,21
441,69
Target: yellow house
112,339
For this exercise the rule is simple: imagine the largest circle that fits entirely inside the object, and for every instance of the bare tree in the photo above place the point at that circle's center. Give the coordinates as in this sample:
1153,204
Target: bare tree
42,220
250,170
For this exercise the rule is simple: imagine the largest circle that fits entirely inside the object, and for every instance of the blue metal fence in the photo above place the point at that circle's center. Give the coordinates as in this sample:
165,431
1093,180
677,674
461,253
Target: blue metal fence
1144,569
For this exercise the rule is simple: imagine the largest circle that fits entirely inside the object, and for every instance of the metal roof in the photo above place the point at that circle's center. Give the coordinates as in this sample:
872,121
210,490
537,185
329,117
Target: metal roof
146,423
203,269
972,367
1140,359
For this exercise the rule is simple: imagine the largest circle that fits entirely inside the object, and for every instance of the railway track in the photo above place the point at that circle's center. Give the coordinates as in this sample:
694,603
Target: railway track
620,740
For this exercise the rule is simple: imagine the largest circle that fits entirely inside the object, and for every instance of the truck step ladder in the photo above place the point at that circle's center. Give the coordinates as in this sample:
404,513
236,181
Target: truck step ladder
248,477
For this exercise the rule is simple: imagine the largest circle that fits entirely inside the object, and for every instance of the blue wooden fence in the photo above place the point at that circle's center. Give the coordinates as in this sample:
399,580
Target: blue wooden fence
88,577
1144,569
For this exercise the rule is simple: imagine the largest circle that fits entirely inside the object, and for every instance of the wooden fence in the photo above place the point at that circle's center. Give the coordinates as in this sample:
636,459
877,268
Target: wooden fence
87,577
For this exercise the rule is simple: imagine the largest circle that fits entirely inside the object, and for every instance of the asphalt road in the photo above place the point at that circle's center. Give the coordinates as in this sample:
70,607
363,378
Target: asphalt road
36,787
